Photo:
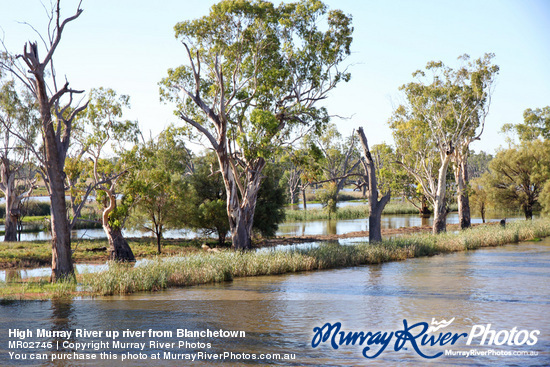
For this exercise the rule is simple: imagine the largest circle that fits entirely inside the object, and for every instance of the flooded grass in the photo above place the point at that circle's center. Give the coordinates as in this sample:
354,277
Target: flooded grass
204,268
39,253
198,267
346,212
352,212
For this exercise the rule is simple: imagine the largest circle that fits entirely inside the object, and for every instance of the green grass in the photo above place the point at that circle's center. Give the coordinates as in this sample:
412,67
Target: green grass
39,253
198,267
347,212
203,267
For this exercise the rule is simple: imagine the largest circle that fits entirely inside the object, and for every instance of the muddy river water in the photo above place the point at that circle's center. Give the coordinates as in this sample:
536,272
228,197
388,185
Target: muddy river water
506,287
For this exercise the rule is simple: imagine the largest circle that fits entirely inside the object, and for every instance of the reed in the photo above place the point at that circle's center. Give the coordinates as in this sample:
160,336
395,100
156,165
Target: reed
201,268
346,212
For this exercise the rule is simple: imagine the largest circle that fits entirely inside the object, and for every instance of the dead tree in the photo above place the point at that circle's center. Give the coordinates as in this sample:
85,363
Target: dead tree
375,206
57,112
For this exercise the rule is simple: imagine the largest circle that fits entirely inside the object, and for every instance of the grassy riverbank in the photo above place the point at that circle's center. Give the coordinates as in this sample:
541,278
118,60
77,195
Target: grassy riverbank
202,267
39,253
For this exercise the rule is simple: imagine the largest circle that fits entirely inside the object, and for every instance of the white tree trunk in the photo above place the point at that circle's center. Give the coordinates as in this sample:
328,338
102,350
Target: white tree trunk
440,207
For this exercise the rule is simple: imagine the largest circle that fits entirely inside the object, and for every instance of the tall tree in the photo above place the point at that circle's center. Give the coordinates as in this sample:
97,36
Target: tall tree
256,72
473,87
57,112
17,118
375,206
446,112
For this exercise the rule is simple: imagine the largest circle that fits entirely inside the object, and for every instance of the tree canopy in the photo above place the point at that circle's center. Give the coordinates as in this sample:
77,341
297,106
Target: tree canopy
255,76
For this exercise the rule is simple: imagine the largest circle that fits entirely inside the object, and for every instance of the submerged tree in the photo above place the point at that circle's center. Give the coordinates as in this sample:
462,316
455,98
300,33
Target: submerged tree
256,72
57,112
375,206
341,157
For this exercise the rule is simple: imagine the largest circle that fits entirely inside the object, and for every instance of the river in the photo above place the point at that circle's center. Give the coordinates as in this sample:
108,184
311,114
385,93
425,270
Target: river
506,287
302,228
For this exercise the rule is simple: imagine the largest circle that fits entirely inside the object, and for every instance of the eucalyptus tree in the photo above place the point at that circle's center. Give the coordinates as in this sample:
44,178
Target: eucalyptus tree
417,153
443,114
156,183
255,75
536,125
471,89
518,176
17,119
57,108
302,168
98,126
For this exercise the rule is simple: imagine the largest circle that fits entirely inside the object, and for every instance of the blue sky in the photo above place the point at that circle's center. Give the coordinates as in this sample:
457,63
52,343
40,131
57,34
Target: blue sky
128,45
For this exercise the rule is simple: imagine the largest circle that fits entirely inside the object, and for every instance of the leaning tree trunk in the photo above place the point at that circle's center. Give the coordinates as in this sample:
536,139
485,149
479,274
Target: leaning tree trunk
440,207
461,177
119,250
375,206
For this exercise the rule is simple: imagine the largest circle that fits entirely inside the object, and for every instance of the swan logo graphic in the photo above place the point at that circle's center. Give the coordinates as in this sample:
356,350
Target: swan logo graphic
439,325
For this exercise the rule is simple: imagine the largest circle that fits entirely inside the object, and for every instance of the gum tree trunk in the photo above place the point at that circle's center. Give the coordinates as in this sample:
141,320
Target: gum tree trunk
12,213
461,177
375,206
119,250
440,207
56,135
240,208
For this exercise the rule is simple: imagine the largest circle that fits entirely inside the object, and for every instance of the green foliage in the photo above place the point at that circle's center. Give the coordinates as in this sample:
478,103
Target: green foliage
519,174
478,163
270,204
545,198
155,184
209,208
444,112
479,196
536,124
265,53
328,196
101,121
209,200
30,208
